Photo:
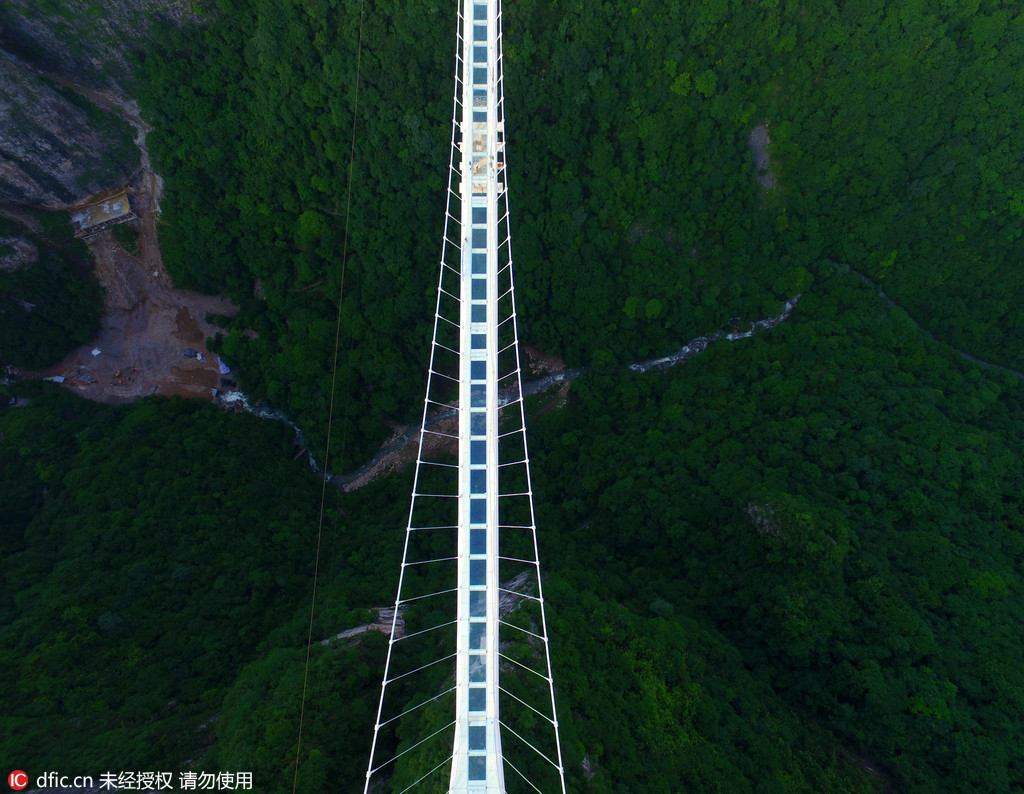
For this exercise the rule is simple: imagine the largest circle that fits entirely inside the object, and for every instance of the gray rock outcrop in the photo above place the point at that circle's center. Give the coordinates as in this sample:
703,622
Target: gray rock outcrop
89,42
55,150
58,148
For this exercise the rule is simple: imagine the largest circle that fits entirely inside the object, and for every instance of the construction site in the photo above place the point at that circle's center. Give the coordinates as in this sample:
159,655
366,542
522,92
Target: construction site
148,329
152,336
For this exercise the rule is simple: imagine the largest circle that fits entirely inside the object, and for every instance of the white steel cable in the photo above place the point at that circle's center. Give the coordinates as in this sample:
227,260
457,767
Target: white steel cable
385,681
528,669
525,631
420,668
425,631
524,777
524,741
531,708
479,103
427,595
408,711
421,741
522,412
428,562
432,771
520,595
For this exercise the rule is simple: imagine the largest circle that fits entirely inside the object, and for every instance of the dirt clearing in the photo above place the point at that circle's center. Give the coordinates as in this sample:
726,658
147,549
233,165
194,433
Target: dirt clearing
758,141
147,322
147,325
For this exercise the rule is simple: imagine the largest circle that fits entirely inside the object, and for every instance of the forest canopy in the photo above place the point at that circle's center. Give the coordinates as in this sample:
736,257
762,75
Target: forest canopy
791,564
878,160
50,304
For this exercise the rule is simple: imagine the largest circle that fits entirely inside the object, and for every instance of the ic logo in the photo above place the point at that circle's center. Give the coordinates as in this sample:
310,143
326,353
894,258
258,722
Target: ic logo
17,780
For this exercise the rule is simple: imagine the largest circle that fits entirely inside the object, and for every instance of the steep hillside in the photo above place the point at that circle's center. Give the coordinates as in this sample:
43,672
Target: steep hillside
90,41
56,147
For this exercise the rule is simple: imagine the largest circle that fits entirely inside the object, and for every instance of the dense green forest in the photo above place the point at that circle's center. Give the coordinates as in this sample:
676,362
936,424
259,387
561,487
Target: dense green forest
145,557
790,565
842,500
626,246
49,306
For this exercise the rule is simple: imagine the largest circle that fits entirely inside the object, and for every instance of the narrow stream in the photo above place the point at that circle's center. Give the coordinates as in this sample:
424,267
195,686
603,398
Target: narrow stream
408,435
237,398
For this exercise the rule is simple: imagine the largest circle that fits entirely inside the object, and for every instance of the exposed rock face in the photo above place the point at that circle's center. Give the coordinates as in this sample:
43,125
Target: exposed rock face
16,252
86,41
57,148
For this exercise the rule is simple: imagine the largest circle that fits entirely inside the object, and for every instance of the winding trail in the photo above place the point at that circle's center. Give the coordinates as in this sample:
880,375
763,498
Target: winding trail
962,353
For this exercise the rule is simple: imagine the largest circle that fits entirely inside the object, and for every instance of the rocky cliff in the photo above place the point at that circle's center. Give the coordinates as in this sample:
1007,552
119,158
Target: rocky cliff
89,41
56,147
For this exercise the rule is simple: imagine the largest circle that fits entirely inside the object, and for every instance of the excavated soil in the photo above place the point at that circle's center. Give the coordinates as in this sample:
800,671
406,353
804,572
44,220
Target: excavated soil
147,323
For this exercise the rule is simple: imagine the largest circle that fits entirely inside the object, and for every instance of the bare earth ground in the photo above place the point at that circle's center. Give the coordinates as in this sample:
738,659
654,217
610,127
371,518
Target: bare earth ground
536,363
146,325
397,459
147,322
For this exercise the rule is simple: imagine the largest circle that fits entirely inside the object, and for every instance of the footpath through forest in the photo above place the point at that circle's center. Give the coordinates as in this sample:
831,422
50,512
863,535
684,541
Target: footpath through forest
962,353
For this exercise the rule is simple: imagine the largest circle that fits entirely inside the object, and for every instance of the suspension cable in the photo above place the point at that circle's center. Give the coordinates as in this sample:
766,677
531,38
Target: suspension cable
330,411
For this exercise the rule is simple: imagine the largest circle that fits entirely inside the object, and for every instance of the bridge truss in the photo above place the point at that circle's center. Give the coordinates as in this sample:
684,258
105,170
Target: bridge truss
467,700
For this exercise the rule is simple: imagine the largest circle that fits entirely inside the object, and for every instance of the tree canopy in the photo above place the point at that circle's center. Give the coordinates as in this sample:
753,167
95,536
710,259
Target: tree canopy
791,564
